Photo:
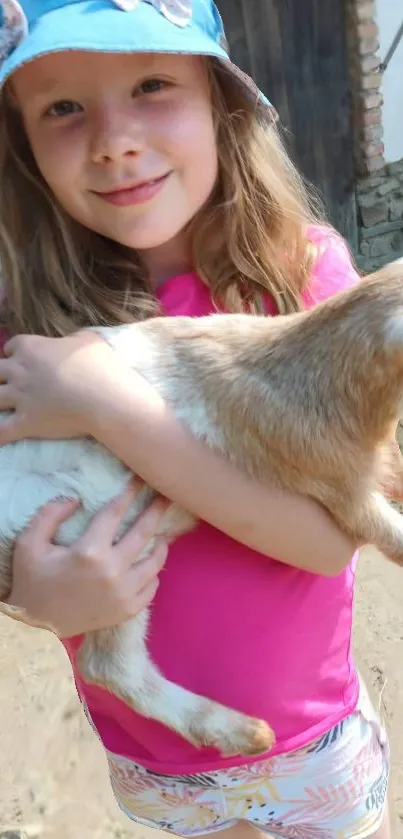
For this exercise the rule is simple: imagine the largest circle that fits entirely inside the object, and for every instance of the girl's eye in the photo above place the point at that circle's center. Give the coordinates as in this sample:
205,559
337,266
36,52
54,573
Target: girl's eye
152,86
63,108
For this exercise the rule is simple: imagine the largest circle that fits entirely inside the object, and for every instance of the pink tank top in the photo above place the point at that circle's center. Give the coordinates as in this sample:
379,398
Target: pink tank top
248,631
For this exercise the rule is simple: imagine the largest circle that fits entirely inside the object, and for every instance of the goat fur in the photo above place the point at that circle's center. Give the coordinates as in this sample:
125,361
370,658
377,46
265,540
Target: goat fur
308,402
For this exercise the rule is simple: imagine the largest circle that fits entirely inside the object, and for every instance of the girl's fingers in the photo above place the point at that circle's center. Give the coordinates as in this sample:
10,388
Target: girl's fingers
7,398
104,526
145,596
4,369
143,572
13,429
133,542
9,347
42,530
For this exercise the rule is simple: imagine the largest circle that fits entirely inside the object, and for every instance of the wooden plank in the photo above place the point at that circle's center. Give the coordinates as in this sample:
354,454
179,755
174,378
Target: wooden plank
296,51
233,18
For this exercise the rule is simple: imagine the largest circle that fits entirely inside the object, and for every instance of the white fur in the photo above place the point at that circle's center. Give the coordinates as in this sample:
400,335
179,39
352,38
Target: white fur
34,472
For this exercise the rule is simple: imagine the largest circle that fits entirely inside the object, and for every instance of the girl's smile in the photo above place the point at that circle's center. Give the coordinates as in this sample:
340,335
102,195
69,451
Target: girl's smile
138,193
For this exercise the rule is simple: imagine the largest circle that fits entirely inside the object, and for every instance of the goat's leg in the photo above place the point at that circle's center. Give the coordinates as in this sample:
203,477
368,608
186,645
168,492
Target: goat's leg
377,523
117,660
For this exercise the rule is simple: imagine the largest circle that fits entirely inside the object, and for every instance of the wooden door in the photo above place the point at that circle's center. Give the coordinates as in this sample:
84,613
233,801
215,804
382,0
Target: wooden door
296,51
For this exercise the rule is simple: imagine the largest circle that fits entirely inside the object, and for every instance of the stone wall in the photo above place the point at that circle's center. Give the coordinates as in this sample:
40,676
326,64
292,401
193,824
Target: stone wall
380,209
379,186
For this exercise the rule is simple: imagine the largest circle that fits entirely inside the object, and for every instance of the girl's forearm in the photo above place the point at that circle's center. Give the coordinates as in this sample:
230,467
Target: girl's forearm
140,429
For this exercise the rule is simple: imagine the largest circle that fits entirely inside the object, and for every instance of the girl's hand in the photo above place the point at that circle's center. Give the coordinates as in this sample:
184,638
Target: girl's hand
51,384
94,583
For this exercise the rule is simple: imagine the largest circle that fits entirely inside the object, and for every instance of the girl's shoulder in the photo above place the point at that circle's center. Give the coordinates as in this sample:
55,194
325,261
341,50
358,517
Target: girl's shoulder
333,269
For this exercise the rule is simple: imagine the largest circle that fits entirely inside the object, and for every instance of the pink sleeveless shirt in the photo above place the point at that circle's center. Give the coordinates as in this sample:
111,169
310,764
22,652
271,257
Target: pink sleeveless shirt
257,635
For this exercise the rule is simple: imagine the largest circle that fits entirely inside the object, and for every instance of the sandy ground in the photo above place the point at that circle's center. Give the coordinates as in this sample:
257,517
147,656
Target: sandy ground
53,780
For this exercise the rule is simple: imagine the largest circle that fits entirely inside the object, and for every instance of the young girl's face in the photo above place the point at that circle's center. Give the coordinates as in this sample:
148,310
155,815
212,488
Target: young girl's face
126,143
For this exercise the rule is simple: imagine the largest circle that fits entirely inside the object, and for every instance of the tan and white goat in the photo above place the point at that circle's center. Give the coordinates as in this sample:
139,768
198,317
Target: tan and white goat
319,394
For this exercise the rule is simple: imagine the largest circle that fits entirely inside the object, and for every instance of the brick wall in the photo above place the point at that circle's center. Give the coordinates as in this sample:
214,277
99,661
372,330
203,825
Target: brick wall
379,185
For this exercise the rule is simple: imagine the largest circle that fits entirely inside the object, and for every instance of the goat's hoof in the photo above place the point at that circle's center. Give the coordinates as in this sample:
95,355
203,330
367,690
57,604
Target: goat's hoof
233,734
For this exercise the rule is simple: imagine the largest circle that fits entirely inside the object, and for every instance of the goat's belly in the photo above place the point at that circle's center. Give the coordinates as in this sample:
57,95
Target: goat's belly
34,472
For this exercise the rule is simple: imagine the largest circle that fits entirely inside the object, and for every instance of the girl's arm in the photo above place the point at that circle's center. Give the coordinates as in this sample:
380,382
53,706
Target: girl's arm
76,386
141,430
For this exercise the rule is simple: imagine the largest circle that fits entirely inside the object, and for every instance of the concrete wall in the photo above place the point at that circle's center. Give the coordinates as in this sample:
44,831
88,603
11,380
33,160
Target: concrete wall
389,15
377,118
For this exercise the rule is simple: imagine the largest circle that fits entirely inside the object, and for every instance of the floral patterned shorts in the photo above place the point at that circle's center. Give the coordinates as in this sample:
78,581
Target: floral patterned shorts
335,788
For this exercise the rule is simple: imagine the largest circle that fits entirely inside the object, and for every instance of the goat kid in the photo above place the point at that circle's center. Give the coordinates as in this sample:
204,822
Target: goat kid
308,402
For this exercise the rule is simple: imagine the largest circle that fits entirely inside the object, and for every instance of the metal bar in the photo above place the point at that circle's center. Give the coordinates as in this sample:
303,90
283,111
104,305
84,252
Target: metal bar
392,49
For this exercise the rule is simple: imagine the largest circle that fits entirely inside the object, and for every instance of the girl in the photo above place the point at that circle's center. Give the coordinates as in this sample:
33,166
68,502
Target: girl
141,171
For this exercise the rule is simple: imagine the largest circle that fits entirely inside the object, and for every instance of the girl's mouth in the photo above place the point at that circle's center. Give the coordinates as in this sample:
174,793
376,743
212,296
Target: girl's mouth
139,193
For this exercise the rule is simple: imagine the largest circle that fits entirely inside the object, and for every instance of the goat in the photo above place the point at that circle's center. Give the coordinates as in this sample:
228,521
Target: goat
308,402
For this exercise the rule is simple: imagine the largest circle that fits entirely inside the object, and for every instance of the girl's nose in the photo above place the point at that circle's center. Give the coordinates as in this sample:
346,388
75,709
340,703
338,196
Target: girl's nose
115,135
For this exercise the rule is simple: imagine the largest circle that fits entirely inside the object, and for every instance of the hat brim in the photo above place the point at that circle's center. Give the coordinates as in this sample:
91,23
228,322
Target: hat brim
99,26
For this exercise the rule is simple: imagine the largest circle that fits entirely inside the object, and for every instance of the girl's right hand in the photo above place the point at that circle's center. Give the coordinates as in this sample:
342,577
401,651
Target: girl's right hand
94,583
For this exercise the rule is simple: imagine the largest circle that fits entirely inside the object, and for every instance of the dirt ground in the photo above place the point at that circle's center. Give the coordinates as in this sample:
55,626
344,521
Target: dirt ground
53,779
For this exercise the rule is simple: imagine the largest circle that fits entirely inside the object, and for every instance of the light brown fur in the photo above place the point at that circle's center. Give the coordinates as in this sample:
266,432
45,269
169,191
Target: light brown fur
308,402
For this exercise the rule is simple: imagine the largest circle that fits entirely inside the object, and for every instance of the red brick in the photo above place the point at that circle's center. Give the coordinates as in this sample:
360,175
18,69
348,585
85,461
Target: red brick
366,46
372,81
370,63
367,30
372,117
369,133
366,11
371,100
373,150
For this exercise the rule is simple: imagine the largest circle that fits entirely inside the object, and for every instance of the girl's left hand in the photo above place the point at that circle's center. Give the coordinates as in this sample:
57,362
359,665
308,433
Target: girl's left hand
50,384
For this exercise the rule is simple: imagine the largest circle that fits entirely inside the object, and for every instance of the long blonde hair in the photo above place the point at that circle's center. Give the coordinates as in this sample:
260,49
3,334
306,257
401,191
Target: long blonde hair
249,239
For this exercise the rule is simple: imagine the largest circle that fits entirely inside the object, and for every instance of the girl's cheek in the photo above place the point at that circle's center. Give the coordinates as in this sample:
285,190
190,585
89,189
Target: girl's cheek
57,163
177,121
53,145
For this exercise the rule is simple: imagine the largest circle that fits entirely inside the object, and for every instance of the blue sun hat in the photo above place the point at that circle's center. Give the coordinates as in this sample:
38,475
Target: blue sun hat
31,28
